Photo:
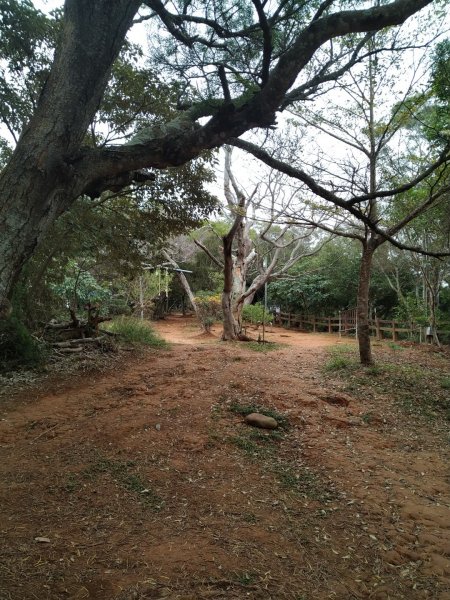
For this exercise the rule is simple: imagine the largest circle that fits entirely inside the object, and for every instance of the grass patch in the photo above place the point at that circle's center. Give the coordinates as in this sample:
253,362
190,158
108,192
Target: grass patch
245,578
245,444
130,481
416,389
342,358
257,444
394,346
136,331
445,383
263,347
302,481
72,483
264,447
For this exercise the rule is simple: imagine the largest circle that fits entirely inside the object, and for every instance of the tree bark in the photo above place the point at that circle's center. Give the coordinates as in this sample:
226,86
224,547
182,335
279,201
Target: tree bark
40,182
232,328
362,308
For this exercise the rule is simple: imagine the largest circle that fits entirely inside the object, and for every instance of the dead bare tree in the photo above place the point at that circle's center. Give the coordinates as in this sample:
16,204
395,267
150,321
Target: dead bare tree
273,250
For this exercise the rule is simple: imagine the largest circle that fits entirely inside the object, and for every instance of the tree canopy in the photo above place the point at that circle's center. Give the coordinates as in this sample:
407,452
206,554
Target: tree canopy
243,61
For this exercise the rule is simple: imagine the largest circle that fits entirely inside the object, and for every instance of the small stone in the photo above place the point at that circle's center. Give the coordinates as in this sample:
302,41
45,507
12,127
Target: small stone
158,426
262,421
42,540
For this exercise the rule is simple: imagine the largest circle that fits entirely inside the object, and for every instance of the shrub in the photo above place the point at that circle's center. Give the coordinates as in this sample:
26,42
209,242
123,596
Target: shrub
118,306
209,308
18,346
254,313
135,331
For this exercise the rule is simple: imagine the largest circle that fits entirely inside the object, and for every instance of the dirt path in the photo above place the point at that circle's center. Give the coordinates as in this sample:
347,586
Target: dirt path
148,484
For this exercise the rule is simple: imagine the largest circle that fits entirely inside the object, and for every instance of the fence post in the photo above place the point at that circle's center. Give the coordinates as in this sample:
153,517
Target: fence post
289,319
329,325
378,330
394,332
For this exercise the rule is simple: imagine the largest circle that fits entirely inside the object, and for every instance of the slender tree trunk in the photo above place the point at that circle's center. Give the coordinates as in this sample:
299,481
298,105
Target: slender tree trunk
185,285
370,243
362,309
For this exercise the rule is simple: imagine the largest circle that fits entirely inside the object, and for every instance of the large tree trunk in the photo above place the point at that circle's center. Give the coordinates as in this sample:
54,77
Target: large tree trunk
40,182
231,321
232,329
362,309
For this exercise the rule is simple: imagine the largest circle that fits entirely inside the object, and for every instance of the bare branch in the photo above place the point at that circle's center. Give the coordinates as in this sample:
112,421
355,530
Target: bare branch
215,260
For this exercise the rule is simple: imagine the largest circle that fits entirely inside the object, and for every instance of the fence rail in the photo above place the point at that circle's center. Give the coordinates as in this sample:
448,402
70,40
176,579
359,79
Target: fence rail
346,323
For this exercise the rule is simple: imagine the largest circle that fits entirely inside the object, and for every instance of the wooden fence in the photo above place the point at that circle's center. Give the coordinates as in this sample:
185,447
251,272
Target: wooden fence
346,324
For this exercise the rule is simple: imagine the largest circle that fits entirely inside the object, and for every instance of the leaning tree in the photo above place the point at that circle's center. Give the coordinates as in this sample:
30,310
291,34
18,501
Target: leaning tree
245,61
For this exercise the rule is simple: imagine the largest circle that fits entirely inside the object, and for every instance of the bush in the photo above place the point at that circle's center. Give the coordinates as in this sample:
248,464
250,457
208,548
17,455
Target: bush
118,306
209,308
254,313
135,331
17,346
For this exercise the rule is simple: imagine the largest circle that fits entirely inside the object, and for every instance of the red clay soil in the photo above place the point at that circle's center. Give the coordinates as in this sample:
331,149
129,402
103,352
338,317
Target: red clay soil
145,482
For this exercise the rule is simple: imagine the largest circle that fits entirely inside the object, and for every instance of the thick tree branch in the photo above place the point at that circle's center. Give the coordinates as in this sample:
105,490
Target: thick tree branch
183,139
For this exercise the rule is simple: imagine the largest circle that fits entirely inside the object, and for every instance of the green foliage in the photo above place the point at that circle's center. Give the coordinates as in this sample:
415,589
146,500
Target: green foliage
26,39
135,94
96,243
80,287
323,284
118,306
255,313
17,345
107,238
209,308
441,89
412,309
135,331
306,293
